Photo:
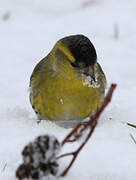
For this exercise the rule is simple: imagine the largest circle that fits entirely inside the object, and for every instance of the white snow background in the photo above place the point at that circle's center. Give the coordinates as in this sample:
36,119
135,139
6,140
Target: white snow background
28,31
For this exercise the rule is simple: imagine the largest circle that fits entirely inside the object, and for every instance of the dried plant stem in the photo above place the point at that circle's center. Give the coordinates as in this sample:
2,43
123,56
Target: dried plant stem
74,132
90,124
132,137
132,125
67,139
75,153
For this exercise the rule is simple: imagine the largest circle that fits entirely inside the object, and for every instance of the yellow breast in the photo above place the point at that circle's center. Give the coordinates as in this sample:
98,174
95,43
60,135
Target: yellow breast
60,96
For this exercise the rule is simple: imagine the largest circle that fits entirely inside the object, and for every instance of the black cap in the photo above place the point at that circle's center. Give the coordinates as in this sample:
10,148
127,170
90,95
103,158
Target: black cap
82,49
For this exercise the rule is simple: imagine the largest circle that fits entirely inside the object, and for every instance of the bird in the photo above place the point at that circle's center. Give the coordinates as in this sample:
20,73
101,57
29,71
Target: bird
69,83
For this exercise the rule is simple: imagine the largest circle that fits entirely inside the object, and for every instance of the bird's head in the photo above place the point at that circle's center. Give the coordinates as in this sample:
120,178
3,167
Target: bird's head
79,52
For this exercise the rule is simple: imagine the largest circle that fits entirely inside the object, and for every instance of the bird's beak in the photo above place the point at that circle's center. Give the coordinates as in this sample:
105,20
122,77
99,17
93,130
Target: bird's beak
92,74
89,71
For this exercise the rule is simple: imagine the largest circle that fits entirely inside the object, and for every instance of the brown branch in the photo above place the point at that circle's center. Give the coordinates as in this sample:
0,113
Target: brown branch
106,100
64,155
90,124
75,154
67,139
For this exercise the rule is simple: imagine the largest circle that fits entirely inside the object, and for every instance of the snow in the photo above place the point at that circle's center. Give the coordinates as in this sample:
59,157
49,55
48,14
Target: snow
28,31
90,82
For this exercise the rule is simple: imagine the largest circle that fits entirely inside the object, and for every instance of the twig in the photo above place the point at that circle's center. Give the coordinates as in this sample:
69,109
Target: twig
64,155
4,166
132,137
90,124
75,153
73,132
132,125
82,125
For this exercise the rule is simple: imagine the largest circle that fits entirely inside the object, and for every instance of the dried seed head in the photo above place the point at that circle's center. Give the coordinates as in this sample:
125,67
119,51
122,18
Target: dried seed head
39,158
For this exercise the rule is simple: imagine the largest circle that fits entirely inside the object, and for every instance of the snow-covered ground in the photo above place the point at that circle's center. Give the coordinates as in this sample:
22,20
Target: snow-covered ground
28,31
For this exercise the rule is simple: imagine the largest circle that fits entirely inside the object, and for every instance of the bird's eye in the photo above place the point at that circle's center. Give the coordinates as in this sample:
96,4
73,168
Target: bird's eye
74,65
78,64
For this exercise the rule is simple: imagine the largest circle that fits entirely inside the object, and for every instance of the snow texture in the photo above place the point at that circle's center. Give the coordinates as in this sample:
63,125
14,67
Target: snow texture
28,31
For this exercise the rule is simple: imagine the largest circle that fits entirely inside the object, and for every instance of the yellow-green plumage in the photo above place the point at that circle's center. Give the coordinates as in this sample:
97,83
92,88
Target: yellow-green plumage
59,92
